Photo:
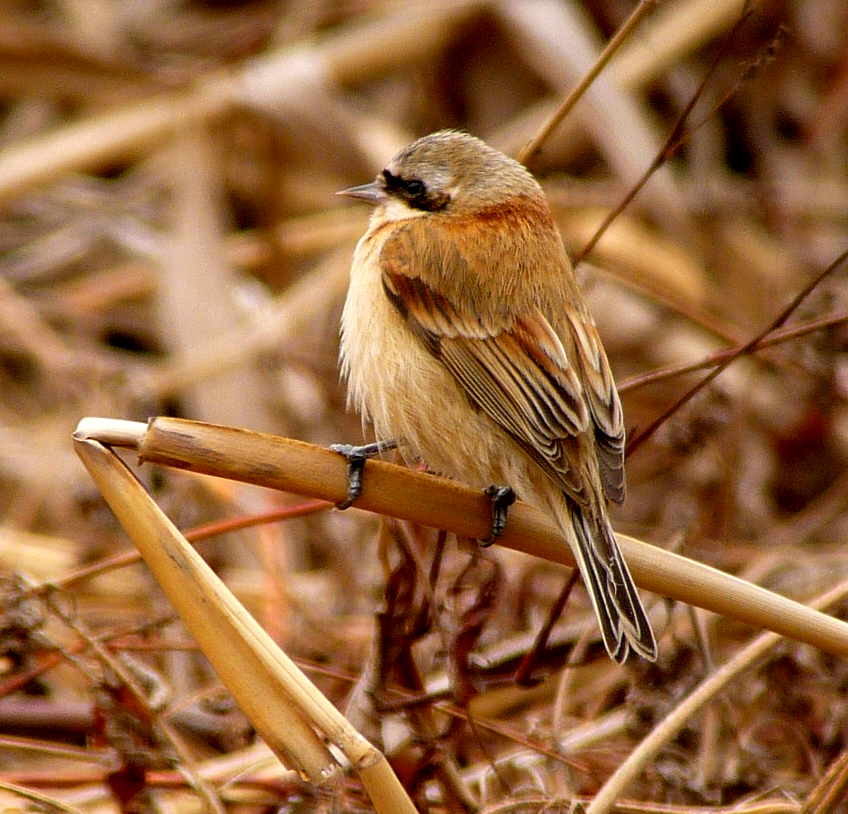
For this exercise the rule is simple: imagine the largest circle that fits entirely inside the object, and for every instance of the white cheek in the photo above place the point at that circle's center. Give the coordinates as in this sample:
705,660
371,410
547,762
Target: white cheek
394,210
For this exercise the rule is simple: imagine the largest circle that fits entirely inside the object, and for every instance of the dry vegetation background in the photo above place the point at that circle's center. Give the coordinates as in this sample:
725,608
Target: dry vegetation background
170,244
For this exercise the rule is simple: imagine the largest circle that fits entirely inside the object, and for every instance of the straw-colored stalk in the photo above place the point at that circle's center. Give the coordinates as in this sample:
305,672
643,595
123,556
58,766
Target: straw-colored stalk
310,471
290,714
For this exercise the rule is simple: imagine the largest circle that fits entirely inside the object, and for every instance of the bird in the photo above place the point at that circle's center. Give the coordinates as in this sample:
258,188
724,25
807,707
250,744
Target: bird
466,341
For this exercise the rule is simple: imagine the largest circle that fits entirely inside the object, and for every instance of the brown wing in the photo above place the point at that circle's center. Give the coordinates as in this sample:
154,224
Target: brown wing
513,367
604,406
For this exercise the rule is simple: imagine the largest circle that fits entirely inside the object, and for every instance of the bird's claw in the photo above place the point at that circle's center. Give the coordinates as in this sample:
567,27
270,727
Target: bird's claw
502,498
356,457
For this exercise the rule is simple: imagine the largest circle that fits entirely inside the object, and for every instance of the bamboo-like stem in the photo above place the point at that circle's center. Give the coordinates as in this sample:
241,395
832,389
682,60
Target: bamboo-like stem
222,629
276,696
310,471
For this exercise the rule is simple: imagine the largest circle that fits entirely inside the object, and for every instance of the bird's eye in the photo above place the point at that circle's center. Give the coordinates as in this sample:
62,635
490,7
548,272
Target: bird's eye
414,187
414,191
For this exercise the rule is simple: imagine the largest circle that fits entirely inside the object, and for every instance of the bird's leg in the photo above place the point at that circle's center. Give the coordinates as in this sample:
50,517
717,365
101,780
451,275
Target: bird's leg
356,458
502,498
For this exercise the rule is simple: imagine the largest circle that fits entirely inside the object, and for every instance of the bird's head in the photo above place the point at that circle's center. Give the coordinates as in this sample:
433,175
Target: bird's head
446,173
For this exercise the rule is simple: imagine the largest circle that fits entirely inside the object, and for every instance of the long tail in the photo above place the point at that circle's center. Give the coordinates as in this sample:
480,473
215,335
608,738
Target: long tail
622,618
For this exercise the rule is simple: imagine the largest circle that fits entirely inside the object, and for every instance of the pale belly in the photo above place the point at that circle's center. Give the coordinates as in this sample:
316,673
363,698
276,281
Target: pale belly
394,382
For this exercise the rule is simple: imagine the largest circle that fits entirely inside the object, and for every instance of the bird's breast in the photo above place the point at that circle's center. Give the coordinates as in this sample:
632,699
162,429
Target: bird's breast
380,357
397,384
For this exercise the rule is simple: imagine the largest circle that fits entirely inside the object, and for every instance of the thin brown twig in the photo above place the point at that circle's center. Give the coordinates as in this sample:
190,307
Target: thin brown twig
249,521
612,47
524,674
769,341
675,140
195,535
643,436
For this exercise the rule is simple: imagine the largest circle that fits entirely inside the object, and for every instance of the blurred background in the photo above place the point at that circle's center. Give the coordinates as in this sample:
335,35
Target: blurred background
170,243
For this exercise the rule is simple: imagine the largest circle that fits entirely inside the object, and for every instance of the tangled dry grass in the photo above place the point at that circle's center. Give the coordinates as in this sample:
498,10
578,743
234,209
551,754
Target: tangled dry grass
170,244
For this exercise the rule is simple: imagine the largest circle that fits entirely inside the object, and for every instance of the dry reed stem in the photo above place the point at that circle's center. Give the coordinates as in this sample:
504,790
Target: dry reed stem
228,637
281,463
297,78
670,727
276,696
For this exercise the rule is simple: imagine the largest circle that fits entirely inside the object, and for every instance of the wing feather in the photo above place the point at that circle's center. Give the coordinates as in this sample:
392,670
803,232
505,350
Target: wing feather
514,369
604,406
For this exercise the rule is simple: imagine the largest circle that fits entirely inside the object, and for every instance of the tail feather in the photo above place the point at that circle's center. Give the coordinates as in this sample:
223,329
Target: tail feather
624,624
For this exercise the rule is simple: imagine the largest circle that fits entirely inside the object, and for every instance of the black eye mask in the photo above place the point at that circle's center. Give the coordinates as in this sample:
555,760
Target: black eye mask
414,191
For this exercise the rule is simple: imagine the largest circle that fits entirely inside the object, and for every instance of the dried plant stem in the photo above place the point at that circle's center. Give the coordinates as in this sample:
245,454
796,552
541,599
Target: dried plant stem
207,611
311,471
683,711
745,349
769,340
612,47
829,792
42,800
276,696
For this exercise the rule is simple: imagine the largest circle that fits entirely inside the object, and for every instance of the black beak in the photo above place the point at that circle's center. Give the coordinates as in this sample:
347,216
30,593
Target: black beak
373,193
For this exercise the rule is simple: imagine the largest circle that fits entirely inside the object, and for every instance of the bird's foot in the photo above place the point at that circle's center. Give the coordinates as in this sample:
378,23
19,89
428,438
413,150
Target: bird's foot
356,457
502,498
